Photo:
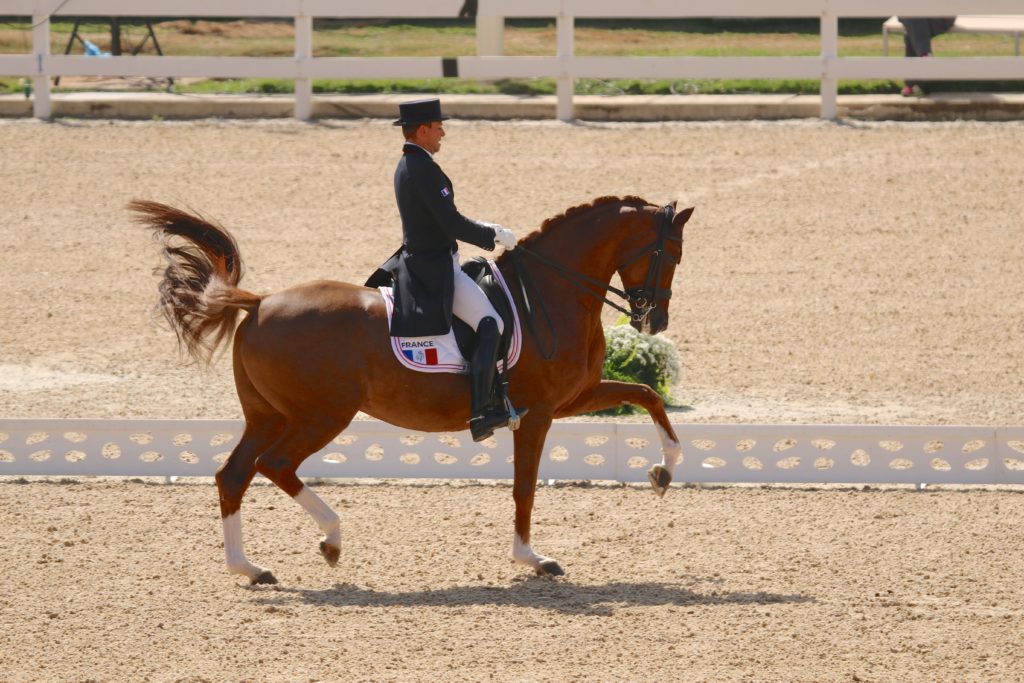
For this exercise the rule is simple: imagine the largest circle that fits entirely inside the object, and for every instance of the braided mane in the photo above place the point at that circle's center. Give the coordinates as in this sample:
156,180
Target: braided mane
554,221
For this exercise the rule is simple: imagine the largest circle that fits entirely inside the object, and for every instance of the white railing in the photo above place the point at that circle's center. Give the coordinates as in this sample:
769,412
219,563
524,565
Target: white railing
565,66
809,454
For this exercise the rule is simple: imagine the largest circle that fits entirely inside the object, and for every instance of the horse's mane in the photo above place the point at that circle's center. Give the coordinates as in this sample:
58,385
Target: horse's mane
555,221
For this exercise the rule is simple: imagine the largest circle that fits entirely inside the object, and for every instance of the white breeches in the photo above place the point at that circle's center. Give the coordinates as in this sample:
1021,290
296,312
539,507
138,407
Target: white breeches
470,304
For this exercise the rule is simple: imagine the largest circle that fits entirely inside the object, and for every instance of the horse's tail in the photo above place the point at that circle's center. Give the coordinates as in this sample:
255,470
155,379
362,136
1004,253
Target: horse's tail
199,294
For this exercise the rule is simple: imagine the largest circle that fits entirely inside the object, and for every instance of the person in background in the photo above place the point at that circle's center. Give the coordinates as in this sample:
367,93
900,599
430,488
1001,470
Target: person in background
917,41
468,10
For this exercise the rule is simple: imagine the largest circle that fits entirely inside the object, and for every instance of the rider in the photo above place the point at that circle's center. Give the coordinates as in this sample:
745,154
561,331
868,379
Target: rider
430,286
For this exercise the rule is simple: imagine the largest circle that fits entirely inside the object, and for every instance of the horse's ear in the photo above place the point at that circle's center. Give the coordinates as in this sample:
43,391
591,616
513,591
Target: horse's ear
681,217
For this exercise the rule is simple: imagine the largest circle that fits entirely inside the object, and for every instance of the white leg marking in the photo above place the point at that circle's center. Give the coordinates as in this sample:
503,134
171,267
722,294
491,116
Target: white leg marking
671,450
324,516
234,554
523,553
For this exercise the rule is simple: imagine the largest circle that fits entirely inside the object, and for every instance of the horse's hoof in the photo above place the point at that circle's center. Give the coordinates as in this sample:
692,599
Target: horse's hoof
265,578
330,553
660,478
550,568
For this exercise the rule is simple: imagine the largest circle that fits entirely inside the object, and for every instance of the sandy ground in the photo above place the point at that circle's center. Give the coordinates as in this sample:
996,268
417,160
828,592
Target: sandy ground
833,273
123,581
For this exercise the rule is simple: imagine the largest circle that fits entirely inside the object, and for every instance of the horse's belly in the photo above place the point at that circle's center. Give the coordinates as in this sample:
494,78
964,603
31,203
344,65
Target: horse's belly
325,347
420,401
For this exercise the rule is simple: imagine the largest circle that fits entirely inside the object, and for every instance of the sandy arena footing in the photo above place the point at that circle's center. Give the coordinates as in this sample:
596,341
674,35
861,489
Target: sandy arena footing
845,273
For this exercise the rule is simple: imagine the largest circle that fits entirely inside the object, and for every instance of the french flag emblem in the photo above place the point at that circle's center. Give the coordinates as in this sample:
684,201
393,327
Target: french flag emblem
445,192
421,356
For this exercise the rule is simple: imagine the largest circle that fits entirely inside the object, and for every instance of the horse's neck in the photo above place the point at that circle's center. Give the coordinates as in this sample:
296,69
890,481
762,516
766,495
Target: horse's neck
587,246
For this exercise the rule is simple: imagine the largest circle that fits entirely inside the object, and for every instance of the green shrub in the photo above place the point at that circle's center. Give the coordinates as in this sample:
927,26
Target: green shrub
639,358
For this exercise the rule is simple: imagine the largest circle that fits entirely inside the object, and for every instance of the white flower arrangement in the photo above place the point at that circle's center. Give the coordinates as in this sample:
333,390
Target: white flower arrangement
631,356
644,349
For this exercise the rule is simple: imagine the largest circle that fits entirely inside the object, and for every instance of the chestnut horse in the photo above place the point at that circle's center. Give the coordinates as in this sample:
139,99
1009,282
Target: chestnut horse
307,358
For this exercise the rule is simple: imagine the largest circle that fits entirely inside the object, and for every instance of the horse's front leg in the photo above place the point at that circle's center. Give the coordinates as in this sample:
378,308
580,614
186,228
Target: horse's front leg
608,394
529,444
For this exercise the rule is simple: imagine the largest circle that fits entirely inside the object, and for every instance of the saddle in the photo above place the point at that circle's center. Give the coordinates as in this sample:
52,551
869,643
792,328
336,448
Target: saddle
451,352
479,270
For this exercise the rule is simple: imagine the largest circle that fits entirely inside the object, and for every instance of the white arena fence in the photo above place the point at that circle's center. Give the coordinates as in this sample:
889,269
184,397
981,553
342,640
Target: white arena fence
806,454
565,66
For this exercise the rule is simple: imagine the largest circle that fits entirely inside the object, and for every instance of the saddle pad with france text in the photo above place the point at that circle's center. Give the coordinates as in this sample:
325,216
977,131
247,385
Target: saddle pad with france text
441,353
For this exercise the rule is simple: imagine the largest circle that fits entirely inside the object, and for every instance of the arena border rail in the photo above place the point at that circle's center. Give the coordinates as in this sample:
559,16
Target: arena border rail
565,66
622,452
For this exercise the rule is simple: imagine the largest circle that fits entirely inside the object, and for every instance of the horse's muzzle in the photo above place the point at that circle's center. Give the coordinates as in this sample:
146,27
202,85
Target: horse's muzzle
655,321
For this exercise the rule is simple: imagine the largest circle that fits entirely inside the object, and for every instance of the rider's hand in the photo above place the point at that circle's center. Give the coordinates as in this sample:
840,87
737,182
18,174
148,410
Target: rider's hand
505,238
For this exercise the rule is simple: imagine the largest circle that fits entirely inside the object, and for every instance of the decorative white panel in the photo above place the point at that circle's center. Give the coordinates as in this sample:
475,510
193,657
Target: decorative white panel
852,454
573,451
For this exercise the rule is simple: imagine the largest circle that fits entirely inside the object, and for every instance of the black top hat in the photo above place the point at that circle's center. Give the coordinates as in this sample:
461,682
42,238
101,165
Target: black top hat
419,111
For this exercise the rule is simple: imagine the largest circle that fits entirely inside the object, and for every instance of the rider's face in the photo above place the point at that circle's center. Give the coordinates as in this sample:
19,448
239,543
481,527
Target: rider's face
429,136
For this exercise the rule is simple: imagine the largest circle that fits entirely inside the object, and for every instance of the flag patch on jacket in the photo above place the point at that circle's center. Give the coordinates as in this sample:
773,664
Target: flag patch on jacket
445,192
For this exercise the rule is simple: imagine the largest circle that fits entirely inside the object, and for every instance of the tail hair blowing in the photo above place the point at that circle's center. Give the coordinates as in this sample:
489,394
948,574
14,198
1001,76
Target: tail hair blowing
199,294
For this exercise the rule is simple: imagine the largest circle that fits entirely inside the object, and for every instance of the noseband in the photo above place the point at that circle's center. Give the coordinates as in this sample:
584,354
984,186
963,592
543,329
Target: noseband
642,300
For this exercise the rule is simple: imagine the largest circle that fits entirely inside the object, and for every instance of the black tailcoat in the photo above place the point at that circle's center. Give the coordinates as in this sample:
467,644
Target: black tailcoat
431,226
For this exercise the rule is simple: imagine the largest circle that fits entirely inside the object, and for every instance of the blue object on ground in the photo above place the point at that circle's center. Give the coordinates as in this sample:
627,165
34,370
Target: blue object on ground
92,51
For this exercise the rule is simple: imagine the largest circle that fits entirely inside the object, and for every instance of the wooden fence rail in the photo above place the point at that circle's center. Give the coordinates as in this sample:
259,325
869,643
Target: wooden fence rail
564,66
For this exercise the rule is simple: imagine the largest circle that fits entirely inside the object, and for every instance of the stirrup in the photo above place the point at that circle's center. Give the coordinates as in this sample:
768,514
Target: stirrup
514,418
483,425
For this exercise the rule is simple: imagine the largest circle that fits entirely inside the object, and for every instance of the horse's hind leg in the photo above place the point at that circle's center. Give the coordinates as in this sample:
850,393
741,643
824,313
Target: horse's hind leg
263,426
279,463
233,479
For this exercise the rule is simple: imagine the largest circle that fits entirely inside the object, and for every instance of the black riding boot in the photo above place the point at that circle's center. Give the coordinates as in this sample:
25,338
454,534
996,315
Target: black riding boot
486,416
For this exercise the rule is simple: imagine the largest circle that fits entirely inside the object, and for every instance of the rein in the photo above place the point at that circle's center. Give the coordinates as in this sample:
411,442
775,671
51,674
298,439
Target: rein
642,300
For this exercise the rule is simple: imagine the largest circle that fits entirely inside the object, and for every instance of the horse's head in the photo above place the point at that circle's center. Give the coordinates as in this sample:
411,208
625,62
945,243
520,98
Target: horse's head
649,259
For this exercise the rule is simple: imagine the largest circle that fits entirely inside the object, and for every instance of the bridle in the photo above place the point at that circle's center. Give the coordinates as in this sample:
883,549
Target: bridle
645,299
642,300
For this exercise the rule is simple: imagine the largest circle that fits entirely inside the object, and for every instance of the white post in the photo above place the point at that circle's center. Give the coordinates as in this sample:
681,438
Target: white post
829,52
565,84
41,107
303,53
490,36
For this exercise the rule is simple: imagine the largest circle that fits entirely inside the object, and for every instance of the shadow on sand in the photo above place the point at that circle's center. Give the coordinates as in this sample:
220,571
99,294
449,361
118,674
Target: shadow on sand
539,593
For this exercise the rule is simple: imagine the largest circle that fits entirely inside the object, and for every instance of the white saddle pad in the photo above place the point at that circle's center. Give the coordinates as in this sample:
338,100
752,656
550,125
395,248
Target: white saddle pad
441,353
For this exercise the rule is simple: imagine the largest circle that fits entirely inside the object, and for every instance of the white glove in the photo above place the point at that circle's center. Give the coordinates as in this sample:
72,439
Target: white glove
505,238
